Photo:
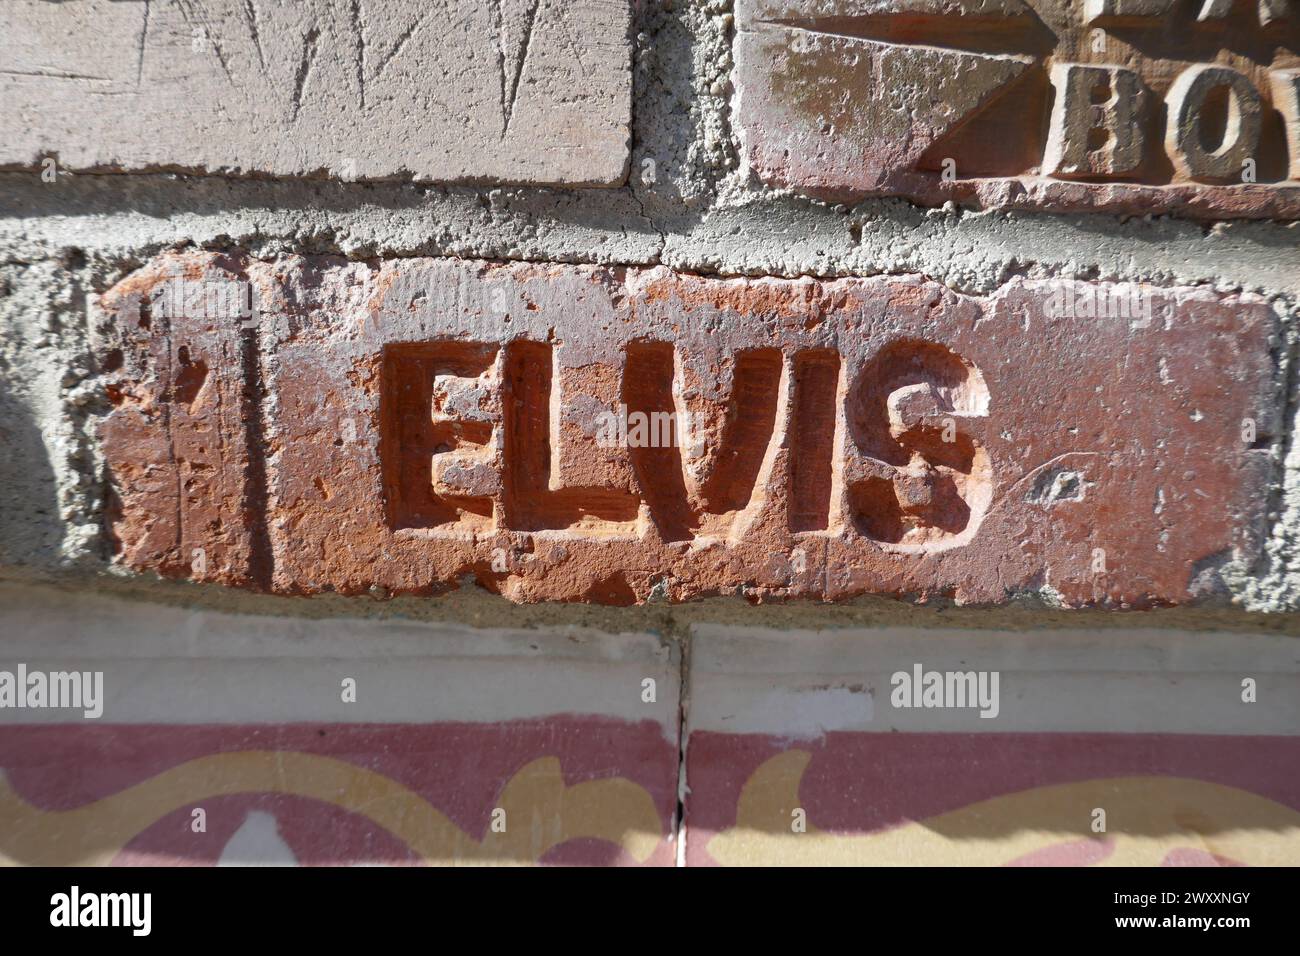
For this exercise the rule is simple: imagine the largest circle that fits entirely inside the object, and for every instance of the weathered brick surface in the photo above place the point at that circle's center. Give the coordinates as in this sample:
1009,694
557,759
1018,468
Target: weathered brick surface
184,486
1109,106
432,422
521,91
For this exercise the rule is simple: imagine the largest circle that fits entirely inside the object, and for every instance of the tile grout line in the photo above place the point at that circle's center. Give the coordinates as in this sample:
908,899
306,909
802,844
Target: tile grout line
683,712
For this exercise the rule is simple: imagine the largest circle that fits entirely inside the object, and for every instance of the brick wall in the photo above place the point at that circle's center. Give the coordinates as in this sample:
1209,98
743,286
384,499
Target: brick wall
763,351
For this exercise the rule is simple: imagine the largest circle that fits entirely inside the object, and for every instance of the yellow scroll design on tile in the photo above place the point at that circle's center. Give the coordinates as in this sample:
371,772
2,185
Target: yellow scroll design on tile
1147,818
541,811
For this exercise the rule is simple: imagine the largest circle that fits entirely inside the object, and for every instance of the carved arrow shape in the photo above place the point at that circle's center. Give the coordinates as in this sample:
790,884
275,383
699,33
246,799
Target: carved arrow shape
906,73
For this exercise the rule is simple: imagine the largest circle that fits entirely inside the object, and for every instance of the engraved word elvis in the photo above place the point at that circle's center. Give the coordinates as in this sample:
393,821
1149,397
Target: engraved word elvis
477,437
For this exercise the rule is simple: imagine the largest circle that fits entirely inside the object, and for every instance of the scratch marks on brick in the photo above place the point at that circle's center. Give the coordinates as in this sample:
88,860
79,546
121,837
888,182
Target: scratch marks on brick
402,40
514,55
250,15
304,71
359,28
56,74
568,38
144,36
198,19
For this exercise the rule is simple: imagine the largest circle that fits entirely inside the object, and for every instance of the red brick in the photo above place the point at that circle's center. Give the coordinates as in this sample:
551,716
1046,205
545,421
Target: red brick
848,98
183,489
431,422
